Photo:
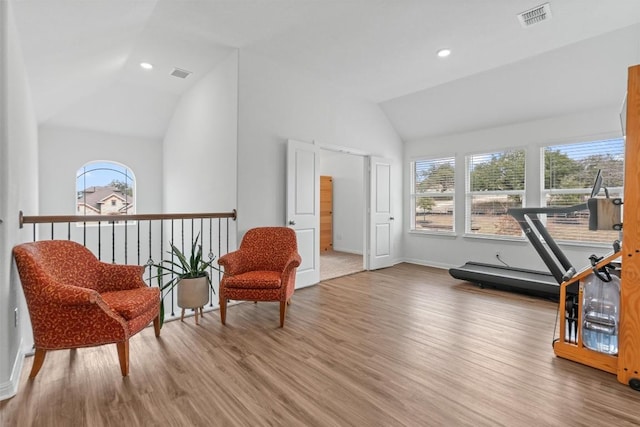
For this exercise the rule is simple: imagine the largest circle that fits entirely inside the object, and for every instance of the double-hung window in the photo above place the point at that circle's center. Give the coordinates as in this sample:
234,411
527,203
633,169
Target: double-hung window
495,183
569,173
432,195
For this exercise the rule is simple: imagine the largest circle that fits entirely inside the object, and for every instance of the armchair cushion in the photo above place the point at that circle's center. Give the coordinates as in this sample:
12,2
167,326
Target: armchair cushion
255,280
131,303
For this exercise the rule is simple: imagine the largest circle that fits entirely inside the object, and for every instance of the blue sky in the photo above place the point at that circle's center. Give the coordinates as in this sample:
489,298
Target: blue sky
100,173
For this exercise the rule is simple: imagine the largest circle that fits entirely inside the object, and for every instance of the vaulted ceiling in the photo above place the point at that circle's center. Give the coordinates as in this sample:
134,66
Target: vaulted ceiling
82,57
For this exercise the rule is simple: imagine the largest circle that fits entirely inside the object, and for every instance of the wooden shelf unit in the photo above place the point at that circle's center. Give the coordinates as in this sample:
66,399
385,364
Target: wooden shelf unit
626,365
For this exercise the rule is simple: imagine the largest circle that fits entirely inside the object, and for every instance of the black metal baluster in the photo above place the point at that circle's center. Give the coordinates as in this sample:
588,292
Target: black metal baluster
161,241
52,230
126,242
100,240
211,257
182,233
150,259
68,231
113,242
172,274
227,235
219,250
150,240
138,242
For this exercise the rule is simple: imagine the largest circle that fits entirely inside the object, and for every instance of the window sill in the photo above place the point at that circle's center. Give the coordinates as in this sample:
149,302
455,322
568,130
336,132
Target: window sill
495,237
433,233
523,239
584,244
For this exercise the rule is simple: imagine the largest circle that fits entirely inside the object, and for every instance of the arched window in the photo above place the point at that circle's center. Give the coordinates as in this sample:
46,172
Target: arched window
105,188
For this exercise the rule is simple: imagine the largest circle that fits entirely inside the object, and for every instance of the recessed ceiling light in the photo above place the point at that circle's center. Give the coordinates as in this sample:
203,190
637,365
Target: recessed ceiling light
146,65
443,53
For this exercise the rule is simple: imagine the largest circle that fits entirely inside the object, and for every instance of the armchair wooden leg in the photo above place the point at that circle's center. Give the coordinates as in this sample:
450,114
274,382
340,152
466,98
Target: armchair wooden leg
283,311
223,309
123,355
156,325
38,360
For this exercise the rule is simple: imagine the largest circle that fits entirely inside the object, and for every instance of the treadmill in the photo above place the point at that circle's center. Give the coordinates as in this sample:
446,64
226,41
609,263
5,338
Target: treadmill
539,283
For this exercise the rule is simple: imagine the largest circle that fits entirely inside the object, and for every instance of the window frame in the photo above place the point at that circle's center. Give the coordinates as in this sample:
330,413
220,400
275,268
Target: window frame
414,195
468,195
546,192
110,219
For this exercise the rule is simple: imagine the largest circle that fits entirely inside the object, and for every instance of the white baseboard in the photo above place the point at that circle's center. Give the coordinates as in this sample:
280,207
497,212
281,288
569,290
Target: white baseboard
9,388
428,264
306,286
348,251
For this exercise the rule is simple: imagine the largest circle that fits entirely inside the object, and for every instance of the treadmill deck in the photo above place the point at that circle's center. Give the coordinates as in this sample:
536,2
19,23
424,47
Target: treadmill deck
528,281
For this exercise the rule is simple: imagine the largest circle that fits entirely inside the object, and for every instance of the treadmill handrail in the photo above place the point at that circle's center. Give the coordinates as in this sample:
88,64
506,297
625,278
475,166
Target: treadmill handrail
550,260
547,209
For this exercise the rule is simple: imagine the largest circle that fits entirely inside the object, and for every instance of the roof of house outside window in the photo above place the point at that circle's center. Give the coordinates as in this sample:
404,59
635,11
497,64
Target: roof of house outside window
95,197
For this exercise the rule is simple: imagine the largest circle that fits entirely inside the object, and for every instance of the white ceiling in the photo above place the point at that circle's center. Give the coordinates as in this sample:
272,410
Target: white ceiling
82,56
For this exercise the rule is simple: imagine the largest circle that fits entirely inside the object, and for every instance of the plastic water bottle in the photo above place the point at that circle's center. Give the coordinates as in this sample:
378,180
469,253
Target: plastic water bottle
601,314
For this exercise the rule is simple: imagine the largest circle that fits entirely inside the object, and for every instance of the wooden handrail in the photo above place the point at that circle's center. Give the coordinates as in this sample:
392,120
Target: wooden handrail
41,219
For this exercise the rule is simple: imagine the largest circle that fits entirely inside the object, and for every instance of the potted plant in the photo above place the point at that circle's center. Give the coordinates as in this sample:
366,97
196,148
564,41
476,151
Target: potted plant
190,275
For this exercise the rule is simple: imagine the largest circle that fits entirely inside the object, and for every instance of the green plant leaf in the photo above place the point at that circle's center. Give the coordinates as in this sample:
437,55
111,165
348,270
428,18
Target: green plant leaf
161,311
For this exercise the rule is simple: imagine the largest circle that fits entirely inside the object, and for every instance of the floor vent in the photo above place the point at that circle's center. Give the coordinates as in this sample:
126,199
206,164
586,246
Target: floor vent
535,15
180,73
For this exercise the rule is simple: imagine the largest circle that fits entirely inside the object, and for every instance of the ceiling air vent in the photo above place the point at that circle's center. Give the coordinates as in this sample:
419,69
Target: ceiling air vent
180,73
535,15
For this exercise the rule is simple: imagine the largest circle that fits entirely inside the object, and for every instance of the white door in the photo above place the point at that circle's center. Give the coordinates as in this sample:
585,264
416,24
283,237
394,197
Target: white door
380,250
303,207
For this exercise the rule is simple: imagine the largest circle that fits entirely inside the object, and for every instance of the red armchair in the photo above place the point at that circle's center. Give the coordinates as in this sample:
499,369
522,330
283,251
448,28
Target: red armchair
262,269
74,300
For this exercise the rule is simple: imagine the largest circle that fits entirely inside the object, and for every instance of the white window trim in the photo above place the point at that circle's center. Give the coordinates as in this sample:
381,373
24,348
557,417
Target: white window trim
414,195
468,194
545,192
109,222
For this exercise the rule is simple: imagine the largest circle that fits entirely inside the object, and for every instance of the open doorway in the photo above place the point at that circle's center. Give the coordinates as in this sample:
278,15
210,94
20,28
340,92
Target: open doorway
345,254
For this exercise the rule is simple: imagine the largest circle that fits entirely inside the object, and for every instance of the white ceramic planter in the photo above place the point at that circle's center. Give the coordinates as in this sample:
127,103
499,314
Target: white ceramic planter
193,293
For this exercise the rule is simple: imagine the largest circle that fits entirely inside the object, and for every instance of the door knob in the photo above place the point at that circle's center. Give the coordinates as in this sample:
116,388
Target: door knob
292,222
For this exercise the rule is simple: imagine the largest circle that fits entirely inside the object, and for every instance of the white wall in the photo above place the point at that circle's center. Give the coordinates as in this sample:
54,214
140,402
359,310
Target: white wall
277,103
347,171
448,252
200,145
64,150
18,191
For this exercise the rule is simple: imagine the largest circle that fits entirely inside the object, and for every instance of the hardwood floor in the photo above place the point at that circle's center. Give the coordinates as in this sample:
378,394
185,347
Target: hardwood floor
407,345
